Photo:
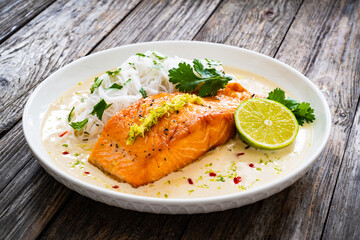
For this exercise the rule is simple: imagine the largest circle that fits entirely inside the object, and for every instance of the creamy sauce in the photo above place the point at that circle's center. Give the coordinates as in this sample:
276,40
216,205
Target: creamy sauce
233,159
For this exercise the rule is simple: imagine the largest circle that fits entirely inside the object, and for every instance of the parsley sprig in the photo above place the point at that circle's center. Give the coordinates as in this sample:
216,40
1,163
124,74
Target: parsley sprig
99,108
79,125
302,111
207,80
96,84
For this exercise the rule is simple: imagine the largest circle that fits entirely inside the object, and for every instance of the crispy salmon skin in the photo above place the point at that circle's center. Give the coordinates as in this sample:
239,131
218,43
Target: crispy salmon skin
175,141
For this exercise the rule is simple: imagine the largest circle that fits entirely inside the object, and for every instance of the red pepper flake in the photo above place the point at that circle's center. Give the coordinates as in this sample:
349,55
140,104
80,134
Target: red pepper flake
115,186
239,154
251,165
190,181
237,180
63,133
65,153
212,174
87,172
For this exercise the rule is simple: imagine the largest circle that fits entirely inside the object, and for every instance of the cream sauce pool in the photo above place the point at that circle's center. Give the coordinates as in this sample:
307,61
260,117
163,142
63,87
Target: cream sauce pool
251,167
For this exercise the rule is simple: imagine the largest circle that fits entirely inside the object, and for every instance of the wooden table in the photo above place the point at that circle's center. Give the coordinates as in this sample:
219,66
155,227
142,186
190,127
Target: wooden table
321,39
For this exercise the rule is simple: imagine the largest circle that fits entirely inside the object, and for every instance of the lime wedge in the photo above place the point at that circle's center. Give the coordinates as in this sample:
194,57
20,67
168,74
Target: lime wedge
265,124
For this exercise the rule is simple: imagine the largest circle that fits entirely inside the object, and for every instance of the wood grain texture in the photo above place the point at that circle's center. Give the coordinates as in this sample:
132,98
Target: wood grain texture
14,154
62,33
16,13
28,196
161,20
98,221
344,215
255,25
321,45
28,202
343,219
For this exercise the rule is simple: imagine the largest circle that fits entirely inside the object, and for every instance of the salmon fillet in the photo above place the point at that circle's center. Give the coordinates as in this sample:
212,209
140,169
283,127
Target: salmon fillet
175,141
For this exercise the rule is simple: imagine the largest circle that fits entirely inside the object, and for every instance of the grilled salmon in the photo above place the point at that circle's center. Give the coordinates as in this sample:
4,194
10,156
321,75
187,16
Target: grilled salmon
176,140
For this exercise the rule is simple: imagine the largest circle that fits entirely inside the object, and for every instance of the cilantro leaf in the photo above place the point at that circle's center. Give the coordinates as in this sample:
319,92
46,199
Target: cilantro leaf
96,84
119,86
209,80
113,73
291,103
69,116
302,111
277,95
79,125
184,77
143,93
116,86
99,108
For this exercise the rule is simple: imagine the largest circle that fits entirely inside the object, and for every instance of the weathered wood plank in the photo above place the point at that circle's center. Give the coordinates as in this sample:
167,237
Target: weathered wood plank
344,215
28,196
323,42
62,33
163,225
15,13
29,201
162,20
14,154
98,221
259,25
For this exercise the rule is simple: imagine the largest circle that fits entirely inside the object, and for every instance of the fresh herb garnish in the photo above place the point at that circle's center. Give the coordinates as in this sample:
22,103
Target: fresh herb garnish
96,84
79,125
141,55
116,86
99,108
158,56
69,116
113,73
302,111
209,81
143,93
212,62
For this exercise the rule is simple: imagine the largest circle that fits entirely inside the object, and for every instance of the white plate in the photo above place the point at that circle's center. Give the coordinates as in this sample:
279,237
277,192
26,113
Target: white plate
283,75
